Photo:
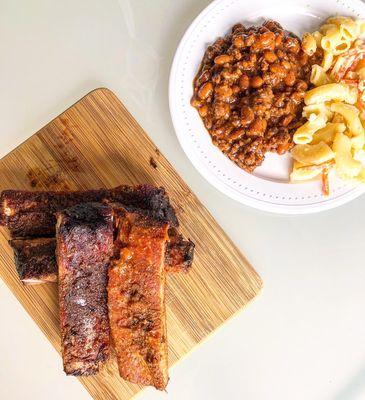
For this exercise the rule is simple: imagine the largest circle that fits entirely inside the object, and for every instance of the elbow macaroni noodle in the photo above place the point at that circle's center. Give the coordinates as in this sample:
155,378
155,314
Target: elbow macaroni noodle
334,133
328,133
346,166
305,133
318,76
315,154
330,92
327,60
309,43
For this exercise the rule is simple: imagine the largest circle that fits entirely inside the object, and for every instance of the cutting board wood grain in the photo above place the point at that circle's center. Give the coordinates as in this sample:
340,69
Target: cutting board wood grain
97,143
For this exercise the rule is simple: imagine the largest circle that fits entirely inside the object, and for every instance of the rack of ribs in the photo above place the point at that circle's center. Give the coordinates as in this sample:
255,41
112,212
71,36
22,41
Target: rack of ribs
136,299
36,263
84,235
110,250
28,214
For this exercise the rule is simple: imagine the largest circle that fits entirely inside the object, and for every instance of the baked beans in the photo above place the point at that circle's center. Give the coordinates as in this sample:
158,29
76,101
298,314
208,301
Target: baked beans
249,91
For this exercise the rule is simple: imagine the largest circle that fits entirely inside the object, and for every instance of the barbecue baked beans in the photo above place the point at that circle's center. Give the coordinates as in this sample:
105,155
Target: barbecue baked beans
249,91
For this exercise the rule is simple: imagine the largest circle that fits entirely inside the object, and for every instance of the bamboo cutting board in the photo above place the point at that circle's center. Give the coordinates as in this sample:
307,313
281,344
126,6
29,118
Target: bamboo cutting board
97,143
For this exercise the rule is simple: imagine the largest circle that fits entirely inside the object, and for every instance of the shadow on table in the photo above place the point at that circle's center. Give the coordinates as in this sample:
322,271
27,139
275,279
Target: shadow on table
354,388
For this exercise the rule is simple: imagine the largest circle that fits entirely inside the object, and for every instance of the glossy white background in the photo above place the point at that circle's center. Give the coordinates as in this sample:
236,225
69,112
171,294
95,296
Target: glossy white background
303,339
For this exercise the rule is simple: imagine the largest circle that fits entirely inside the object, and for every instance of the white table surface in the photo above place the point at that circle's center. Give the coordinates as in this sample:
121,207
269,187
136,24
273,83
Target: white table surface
304,337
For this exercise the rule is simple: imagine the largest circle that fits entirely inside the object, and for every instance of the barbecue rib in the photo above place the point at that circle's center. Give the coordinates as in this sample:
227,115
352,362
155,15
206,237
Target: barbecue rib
27,213
136,300
84,235
179,253
35,258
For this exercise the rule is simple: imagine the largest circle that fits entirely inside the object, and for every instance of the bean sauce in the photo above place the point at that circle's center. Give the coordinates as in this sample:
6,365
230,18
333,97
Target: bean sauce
249,91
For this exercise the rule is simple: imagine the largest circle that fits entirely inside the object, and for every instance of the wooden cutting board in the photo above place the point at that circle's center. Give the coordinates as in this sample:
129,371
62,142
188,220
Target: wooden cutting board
97,143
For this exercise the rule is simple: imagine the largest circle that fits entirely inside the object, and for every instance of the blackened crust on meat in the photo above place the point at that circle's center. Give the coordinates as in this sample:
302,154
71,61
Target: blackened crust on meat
34,224
27,213
35,259
152,199
83,216
84,246
179,253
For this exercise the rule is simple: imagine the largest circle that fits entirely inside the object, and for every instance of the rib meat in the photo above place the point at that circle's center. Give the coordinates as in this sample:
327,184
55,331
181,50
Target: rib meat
35,259
136,300
179,253
84,235
27,213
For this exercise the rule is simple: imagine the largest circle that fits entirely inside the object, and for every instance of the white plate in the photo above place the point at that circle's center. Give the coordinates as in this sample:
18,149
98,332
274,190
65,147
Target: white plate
268,188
